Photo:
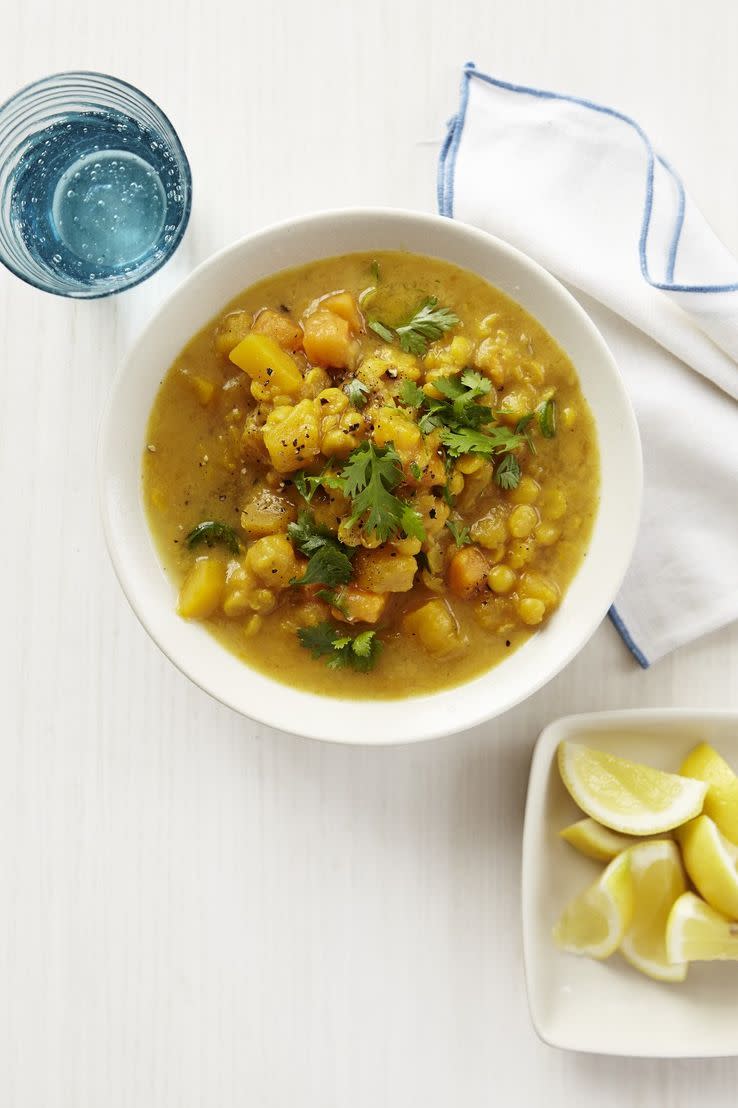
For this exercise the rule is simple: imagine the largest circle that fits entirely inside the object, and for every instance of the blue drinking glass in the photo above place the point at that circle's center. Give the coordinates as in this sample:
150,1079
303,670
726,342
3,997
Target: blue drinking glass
95,188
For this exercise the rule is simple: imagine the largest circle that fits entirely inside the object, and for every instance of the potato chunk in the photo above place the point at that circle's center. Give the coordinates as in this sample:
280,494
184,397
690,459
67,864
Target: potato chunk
291,435
435,626
468,571
231,329
385,570
202,589
266,513
267,363
329,341
278,326
273,561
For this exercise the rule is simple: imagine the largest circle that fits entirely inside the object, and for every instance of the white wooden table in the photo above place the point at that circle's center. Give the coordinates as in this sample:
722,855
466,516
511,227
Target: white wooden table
195,911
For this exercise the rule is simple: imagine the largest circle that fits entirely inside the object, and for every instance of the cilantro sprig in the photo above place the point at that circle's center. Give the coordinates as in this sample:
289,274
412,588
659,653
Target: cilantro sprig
460,533
465,426
329,560
367,479
359,652
357,393
212,531
427,323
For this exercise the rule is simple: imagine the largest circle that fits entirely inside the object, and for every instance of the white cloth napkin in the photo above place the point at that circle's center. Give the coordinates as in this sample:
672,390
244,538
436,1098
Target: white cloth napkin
580,188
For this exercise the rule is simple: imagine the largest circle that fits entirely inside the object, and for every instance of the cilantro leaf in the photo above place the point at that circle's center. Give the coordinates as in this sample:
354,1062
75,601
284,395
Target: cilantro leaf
412,523
211,531
307,535
410,395
375,271
380,329
495,440
428,323
329,560
416,471
359,652
476,382
307,484
459,532
507,473
335,599
327,566
357,393
546,413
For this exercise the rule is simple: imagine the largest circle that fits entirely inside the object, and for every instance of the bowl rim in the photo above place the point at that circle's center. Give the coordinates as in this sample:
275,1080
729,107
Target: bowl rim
410,733
542,765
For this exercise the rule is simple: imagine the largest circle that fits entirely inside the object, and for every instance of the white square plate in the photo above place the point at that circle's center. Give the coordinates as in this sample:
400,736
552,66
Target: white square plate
608,1007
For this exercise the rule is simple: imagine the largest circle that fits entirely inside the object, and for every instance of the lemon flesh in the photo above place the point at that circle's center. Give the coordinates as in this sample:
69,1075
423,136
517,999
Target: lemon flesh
721,802
595,841
626,796
595,922
697,933
711,861
658,881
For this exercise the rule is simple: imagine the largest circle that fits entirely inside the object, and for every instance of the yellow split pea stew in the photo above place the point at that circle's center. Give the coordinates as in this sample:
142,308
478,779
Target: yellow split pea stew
372,476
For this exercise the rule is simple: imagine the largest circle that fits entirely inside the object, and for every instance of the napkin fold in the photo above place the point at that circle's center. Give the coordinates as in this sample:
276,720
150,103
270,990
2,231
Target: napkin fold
581,188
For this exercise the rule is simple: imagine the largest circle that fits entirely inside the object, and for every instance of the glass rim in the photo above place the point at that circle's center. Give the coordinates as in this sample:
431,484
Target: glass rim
184,168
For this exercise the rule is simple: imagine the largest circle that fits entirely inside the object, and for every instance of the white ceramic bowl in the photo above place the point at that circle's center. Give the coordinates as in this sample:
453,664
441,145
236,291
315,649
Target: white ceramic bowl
608,1007
189,645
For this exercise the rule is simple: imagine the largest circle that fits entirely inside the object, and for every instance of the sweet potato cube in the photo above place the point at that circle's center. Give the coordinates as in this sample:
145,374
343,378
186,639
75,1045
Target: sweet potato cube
359,605
468,571
328,340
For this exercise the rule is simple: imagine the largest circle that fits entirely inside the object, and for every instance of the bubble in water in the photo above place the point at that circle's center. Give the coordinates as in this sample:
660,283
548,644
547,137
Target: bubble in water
56,258
71,193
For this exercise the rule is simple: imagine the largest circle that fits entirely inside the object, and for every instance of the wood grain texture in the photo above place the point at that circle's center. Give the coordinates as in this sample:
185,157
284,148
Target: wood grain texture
195,911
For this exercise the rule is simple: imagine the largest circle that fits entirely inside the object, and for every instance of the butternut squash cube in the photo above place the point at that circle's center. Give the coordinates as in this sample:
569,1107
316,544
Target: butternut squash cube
328,340
344,304
292,437
468,571
267,363
359,605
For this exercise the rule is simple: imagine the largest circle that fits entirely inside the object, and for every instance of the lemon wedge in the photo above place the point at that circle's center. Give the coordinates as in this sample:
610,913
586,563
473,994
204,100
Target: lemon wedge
595,922
658,881
626,796
721,802
711,861
697,933
595,841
